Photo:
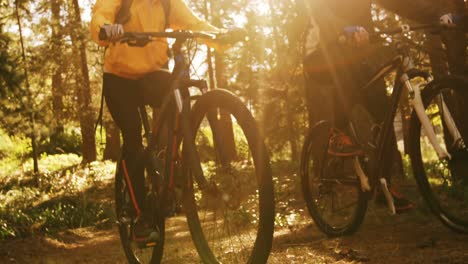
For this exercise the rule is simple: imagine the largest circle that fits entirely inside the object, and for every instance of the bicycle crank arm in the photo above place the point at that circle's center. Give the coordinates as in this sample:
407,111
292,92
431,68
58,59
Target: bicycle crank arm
365,186
388,196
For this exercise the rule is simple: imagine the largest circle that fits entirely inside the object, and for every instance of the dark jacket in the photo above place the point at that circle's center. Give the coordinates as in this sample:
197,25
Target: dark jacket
333,15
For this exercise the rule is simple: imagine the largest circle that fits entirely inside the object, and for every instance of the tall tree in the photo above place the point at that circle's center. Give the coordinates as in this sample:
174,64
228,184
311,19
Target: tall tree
56,48
83,86
284,66
29,104
223,123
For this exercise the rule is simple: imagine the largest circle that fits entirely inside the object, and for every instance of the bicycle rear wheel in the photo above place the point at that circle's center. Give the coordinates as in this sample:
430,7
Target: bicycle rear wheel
443,182
330,186
231,220
125,215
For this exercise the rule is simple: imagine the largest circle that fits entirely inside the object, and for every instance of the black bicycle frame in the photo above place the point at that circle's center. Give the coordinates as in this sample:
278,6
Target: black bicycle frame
175,109
386,130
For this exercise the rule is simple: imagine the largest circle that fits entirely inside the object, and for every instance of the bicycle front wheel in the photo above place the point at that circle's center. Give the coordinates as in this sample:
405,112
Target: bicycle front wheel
330,185
231,220
443,182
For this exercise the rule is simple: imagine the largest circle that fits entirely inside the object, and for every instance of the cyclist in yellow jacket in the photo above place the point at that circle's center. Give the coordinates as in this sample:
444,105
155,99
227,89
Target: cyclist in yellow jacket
127,73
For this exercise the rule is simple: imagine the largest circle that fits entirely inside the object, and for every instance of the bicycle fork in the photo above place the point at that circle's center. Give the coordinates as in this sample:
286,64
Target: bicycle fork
183,107
418,105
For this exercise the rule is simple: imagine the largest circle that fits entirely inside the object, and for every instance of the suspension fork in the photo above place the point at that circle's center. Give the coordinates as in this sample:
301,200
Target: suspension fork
449,122
183,108
418,105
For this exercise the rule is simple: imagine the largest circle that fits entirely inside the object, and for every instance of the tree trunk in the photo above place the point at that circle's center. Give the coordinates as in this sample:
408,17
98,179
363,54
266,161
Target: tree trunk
223,124
292,133
29,104
437,55
291,130
57,82
209,54
83,90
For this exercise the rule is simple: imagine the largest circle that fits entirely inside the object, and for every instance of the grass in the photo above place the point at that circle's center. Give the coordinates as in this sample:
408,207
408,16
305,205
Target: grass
62,196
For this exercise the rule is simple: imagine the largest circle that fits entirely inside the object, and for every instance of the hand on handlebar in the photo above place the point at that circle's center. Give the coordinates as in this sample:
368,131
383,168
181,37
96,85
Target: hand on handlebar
355,35
111,32
139,39
448,20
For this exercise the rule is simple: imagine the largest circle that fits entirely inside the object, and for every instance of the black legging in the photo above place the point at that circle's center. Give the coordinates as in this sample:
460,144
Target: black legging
123,98
334,77
333,80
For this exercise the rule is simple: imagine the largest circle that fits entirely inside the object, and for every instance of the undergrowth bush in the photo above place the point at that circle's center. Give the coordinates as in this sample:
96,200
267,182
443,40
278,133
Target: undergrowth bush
63,199
13,147
52,218
68,141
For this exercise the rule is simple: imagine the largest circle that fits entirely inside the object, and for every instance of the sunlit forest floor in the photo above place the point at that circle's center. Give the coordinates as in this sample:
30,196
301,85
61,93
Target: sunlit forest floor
413,237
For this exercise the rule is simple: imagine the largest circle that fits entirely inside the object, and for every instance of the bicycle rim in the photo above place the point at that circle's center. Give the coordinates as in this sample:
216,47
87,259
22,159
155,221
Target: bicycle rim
232,221
330,186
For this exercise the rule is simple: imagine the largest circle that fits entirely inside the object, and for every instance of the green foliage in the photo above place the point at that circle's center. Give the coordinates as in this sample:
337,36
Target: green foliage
12,147
67,141
54,217
13,151
63,198
407,169
240,217
9,76
287,193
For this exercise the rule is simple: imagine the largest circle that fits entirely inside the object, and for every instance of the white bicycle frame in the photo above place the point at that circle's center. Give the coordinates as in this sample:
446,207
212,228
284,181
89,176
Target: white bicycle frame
418,106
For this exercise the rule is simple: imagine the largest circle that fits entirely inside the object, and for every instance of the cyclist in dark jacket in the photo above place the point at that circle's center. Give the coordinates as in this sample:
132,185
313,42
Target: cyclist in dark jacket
426,12
334,72
331,17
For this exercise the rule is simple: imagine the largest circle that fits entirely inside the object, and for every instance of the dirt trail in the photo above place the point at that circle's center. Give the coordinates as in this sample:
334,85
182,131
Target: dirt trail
413,237
408,238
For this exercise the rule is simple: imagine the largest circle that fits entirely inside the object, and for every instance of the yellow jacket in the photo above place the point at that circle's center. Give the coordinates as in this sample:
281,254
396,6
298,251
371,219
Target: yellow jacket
146,16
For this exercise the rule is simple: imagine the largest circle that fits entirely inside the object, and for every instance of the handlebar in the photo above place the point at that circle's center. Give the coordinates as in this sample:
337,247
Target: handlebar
408,28
377,36
142,38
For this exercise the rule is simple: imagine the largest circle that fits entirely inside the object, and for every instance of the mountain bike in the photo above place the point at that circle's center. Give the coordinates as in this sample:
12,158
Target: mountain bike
337,189
225,193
